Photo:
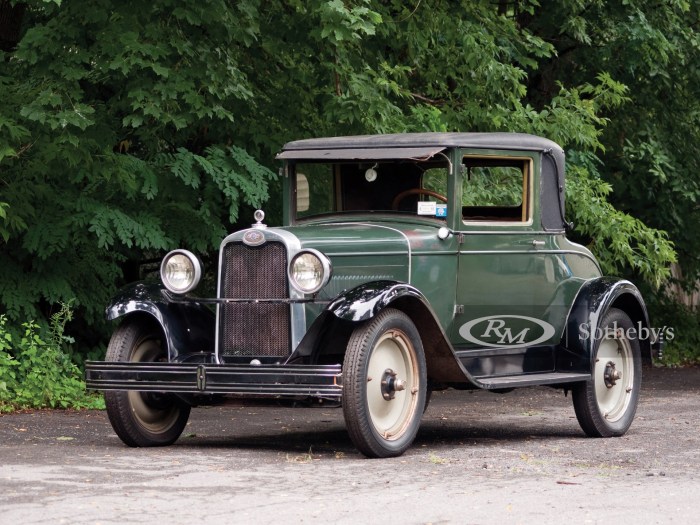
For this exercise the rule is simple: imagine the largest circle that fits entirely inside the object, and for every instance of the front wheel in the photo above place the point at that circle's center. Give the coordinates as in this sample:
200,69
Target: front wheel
605,405
143,419
384,384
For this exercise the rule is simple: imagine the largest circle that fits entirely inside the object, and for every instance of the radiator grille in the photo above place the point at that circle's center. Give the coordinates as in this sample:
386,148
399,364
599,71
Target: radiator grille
254,272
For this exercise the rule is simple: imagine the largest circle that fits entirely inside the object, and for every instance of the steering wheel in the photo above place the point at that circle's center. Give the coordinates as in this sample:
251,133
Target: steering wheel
415,191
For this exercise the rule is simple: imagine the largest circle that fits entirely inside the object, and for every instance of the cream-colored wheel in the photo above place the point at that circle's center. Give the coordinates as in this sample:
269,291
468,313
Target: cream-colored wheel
606,404
384,384
613,377
391,399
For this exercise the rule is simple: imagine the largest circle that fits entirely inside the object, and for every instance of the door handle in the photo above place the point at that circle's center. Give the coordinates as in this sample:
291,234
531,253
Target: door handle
537,244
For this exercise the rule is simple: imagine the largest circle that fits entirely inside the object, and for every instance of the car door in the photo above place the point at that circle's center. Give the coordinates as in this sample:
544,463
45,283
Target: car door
509,311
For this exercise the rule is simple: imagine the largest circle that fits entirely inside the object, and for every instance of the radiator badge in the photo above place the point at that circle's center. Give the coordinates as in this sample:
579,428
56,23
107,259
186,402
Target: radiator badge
253,238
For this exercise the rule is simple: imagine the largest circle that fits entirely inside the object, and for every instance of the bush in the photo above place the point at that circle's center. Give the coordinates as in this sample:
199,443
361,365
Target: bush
37,371
684,348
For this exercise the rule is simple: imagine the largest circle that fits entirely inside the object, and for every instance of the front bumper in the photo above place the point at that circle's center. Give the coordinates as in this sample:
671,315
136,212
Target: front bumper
254,380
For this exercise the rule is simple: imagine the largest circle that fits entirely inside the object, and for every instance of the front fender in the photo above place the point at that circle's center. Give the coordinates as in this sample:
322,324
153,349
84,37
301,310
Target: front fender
366,301
188,326
594,299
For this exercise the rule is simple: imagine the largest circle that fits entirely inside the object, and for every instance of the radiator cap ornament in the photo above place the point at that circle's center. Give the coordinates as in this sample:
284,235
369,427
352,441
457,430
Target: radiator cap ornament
259,216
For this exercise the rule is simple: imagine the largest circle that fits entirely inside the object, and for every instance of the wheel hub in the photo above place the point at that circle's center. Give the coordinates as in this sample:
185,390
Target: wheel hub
611,375
391,384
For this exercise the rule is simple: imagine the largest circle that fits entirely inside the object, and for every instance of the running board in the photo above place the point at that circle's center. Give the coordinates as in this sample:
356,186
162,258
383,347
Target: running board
549,378
258,380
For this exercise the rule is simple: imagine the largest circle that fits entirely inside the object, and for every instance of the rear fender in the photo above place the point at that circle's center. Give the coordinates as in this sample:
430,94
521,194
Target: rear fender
188,326
595,298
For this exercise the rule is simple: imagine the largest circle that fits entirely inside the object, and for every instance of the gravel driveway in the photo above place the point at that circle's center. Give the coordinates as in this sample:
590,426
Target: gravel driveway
479,458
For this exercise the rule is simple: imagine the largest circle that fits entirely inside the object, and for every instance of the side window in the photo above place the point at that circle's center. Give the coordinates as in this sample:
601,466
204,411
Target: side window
496,189
315,189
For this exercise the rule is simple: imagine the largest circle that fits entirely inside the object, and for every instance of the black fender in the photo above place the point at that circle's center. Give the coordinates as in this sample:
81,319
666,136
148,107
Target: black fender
367,300
188,326
594,299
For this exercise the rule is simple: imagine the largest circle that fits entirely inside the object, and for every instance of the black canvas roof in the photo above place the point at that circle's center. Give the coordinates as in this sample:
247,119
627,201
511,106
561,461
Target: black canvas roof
502,141
425,145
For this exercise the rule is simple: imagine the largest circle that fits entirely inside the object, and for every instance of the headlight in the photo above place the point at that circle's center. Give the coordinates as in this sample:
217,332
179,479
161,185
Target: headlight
180,271
309,271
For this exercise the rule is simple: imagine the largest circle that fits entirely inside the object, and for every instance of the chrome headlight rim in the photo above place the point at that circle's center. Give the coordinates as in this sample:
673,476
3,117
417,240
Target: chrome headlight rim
196,271
326,266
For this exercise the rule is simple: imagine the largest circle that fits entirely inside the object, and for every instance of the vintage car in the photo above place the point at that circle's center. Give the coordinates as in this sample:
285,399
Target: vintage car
407,263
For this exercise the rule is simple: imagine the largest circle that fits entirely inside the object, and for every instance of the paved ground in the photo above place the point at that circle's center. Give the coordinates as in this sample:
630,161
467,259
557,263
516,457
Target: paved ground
479,458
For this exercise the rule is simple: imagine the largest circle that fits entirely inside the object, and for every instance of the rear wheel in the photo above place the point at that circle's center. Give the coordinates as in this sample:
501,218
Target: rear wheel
384,384
606,404
143,419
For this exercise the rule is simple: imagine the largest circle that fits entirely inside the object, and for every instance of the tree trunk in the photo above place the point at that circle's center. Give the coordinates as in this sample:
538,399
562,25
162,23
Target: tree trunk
10,24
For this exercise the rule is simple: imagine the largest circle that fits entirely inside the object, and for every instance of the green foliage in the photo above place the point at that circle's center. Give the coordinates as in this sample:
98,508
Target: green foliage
4,233
684,347
620,241
493,186
130,128
117,144
649,163
236,175
36,371
653,49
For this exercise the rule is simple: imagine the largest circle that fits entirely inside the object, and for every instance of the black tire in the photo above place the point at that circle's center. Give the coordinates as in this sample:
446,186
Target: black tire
383,421
428,397
606,407
143,419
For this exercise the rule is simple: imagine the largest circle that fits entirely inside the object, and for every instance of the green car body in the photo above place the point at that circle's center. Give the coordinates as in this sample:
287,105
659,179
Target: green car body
434,260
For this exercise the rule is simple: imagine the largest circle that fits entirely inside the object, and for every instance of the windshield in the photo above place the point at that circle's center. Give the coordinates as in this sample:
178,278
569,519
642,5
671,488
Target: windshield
407,186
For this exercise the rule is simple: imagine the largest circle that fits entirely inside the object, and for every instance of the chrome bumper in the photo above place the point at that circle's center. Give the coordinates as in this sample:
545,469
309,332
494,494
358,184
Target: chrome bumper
255,380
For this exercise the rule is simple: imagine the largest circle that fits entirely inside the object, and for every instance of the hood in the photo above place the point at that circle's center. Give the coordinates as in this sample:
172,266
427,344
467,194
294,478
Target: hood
358,238
362,252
